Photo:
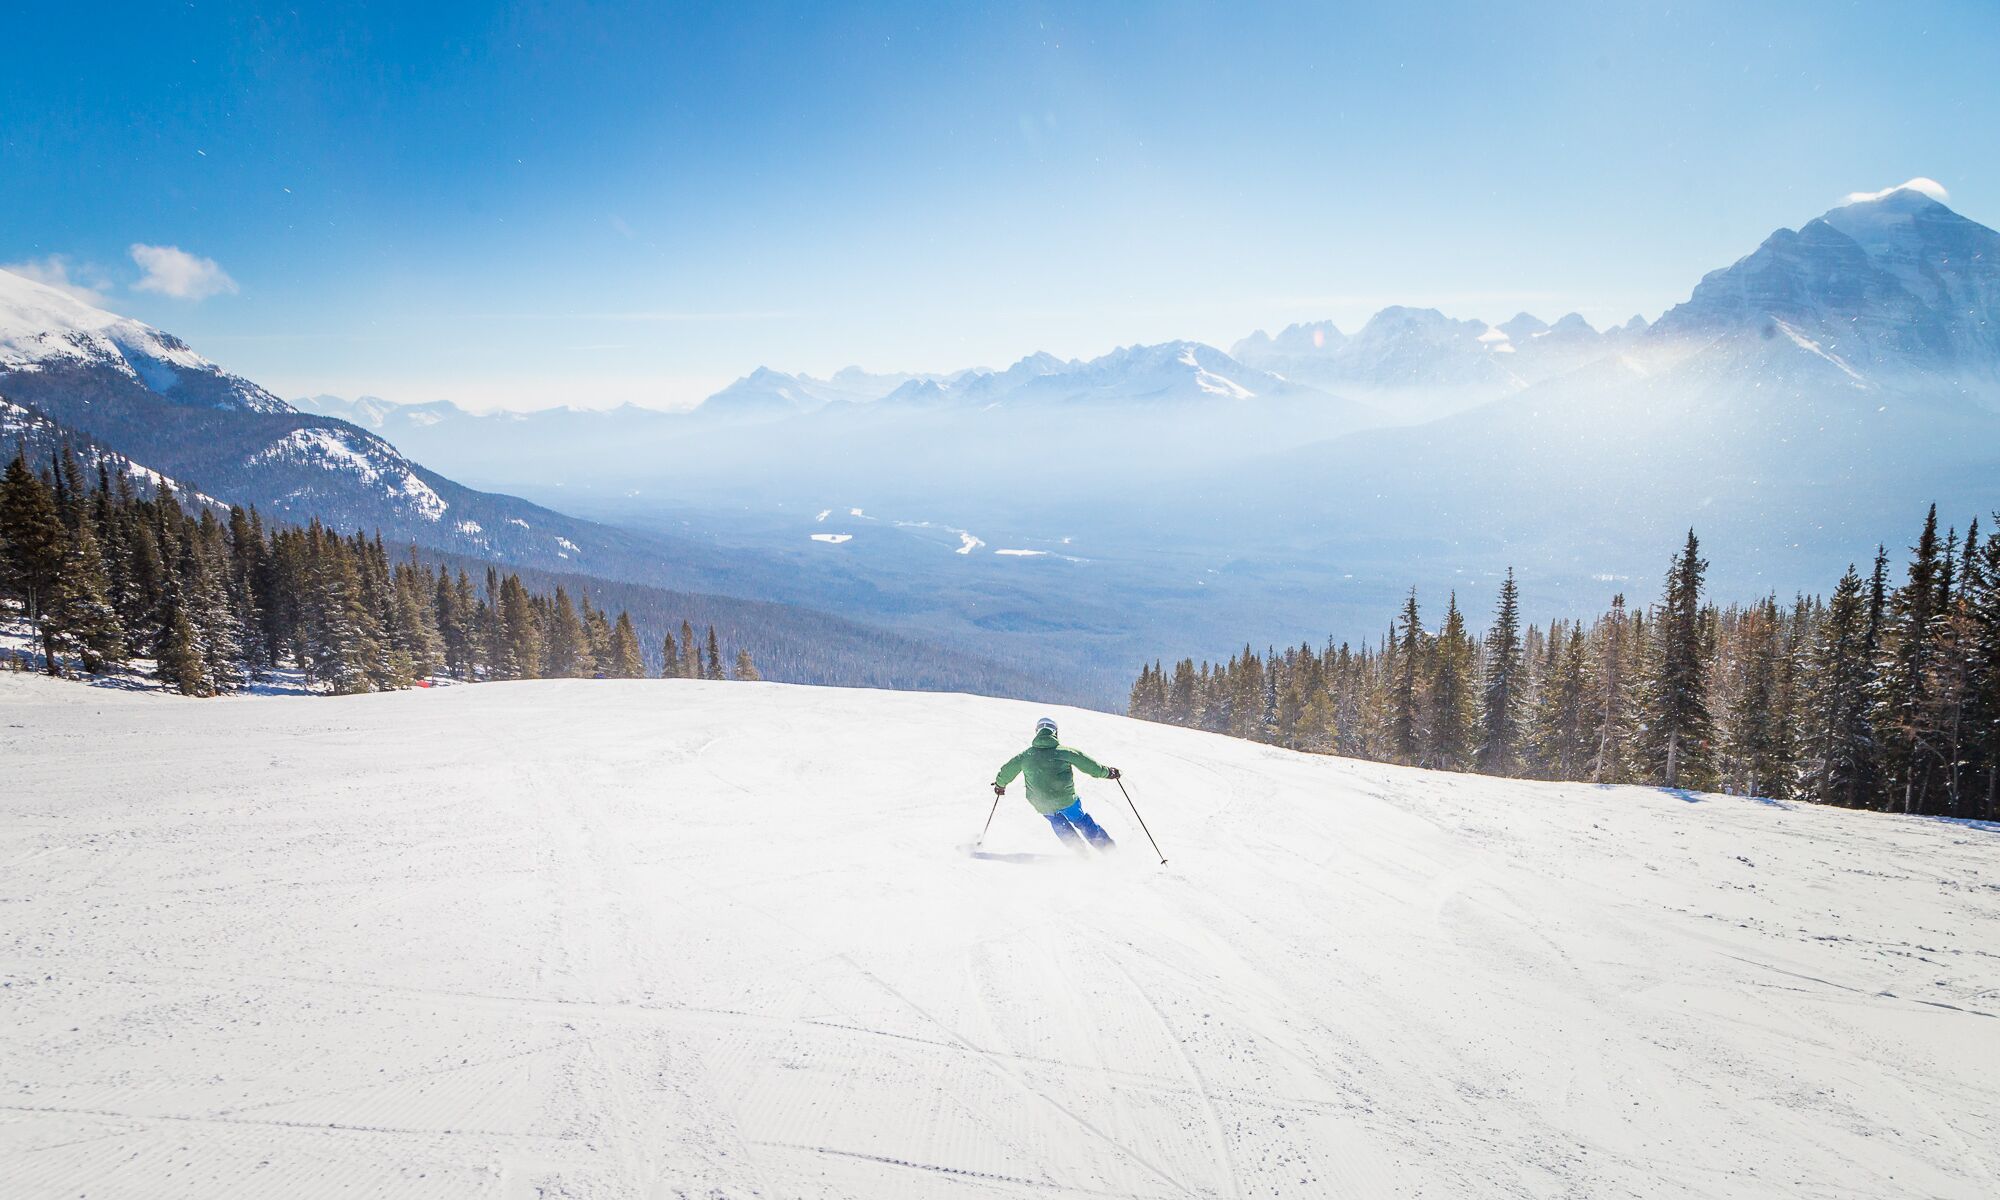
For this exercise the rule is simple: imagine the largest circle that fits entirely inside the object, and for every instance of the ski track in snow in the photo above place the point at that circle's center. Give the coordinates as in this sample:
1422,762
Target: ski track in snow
681,939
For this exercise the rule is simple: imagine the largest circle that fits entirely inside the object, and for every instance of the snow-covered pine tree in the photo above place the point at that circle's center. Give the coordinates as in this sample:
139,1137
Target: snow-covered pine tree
179,662
204,570
80,613
245,588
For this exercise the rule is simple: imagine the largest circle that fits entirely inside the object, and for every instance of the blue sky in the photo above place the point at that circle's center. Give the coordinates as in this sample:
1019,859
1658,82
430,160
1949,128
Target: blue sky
590,204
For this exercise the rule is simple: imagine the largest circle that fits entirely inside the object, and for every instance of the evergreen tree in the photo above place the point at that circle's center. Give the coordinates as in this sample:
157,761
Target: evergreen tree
1562,733
1183,708
1613,711
80,613
566,652
1501,701
601,655
520,630
714,667
745,668
1755,718
1839,737
179,662
1903,711
690,653
34,544
207,604
1406,718
1984,648
623,660
1677,730
1452,708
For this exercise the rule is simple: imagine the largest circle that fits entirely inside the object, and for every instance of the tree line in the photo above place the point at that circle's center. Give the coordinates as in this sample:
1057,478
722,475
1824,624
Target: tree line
1878,696
111,569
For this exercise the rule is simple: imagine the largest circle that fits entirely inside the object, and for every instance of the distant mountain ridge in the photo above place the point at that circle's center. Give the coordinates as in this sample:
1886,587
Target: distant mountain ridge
1839,374
1800,404
147,395
49,332
139,401
1885,286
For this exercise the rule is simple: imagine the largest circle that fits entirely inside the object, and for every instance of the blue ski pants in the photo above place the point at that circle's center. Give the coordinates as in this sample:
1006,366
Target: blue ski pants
1074,826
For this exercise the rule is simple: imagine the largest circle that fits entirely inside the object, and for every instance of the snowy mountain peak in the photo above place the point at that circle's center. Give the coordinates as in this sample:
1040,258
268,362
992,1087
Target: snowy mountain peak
41,327
1896,281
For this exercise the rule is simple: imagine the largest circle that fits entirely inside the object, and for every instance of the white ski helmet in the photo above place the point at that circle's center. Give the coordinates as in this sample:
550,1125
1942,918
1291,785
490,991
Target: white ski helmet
1048,723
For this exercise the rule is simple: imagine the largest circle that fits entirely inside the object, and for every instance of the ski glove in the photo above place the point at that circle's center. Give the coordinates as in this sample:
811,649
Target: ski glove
999,789
1111,772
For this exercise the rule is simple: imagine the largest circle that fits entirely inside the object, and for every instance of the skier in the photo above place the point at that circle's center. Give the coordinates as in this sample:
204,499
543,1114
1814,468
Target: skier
1051,771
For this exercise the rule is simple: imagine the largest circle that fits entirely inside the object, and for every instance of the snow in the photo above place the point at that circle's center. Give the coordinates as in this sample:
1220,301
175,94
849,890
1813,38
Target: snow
967,542
469,527
834,538
16,421
1812,347
40,325
1022,553
568,545
39,322
673,938
518,521
1211,383
369,459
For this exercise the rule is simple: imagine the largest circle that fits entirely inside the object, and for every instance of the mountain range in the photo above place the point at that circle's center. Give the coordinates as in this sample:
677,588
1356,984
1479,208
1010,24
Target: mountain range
1071,516
135,399
1802,403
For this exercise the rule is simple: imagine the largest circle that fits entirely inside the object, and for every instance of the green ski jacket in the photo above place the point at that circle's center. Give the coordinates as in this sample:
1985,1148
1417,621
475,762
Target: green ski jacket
1048,766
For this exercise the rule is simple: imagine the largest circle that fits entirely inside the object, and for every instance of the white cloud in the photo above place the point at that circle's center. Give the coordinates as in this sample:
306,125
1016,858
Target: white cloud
86,283
172,271
1929,187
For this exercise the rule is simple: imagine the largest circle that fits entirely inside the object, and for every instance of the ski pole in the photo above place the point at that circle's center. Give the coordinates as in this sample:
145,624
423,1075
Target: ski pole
1142,821
989,820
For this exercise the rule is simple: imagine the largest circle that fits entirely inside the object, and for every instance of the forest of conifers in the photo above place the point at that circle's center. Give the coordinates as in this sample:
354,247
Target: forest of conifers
1884,695
108,570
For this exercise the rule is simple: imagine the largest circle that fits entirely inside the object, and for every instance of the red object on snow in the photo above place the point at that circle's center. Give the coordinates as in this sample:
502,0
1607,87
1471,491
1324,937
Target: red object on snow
425,683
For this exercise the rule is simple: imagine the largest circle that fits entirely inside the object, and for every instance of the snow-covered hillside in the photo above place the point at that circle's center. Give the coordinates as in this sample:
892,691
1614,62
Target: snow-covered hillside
43,328
678,939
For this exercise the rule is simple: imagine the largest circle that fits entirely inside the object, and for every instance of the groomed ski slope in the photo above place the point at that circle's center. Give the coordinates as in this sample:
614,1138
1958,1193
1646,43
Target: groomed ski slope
669,939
